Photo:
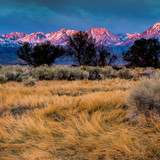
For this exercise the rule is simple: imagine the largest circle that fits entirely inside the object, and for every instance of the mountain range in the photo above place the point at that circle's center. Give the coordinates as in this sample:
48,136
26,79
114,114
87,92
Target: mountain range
118,42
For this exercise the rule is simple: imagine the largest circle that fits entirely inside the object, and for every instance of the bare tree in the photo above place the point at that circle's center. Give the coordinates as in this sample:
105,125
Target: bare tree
82,48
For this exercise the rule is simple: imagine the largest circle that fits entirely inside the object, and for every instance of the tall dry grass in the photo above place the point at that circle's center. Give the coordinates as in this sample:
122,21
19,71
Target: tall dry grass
79,120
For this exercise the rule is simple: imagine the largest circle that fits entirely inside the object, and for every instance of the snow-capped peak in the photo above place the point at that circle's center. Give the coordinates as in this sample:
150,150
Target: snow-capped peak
153,31
102,36
13,35
156,25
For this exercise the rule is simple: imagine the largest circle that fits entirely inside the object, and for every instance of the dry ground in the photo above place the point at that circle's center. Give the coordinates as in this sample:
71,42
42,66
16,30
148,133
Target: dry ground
73,120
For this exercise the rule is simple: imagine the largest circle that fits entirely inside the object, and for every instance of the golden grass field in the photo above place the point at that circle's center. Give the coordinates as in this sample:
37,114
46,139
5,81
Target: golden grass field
74,120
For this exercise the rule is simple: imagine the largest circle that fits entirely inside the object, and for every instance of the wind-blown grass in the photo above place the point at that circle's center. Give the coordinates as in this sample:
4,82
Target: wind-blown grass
73,120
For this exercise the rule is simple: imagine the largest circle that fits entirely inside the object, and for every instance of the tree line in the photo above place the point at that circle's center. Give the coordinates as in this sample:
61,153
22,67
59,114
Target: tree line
84,51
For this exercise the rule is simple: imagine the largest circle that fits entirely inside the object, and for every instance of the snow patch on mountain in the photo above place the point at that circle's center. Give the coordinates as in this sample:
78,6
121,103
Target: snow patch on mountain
103,36
126,36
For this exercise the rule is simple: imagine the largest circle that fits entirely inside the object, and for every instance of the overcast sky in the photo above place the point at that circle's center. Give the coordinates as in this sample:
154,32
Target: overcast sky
118,16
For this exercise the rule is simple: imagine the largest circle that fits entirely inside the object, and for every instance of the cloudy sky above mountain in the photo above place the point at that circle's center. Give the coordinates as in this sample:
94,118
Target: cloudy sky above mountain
118,16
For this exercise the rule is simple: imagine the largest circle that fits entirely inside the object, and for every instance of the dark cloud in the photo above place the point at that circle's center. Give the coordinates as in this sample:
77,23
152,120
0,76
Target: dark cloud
50,15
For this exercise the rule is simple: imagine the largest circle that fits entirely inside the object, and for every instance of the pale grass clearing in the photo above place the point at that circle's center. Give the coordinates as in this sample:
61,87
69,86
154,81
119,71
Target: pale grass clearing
13,94
80,120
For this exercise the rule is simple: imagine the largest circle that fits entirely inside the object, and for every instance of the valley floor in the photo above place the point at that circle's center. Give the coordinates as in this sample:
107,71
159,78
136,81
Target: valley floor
81,120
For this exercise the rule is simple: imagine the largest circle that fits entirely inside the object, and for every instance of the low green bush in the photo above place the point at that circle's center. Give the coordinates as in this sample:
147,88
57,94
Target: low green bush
124,73
30,81
75,73
44,72
1,66
94,72
108,72
12,75
3,78
41,72
62,73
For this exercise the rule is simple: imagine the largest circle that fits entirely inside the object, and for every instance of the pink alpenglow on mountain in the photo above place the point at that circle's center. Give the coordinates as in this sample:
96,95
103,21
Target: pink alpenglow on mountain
152,32
135,35
102,36
14,35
